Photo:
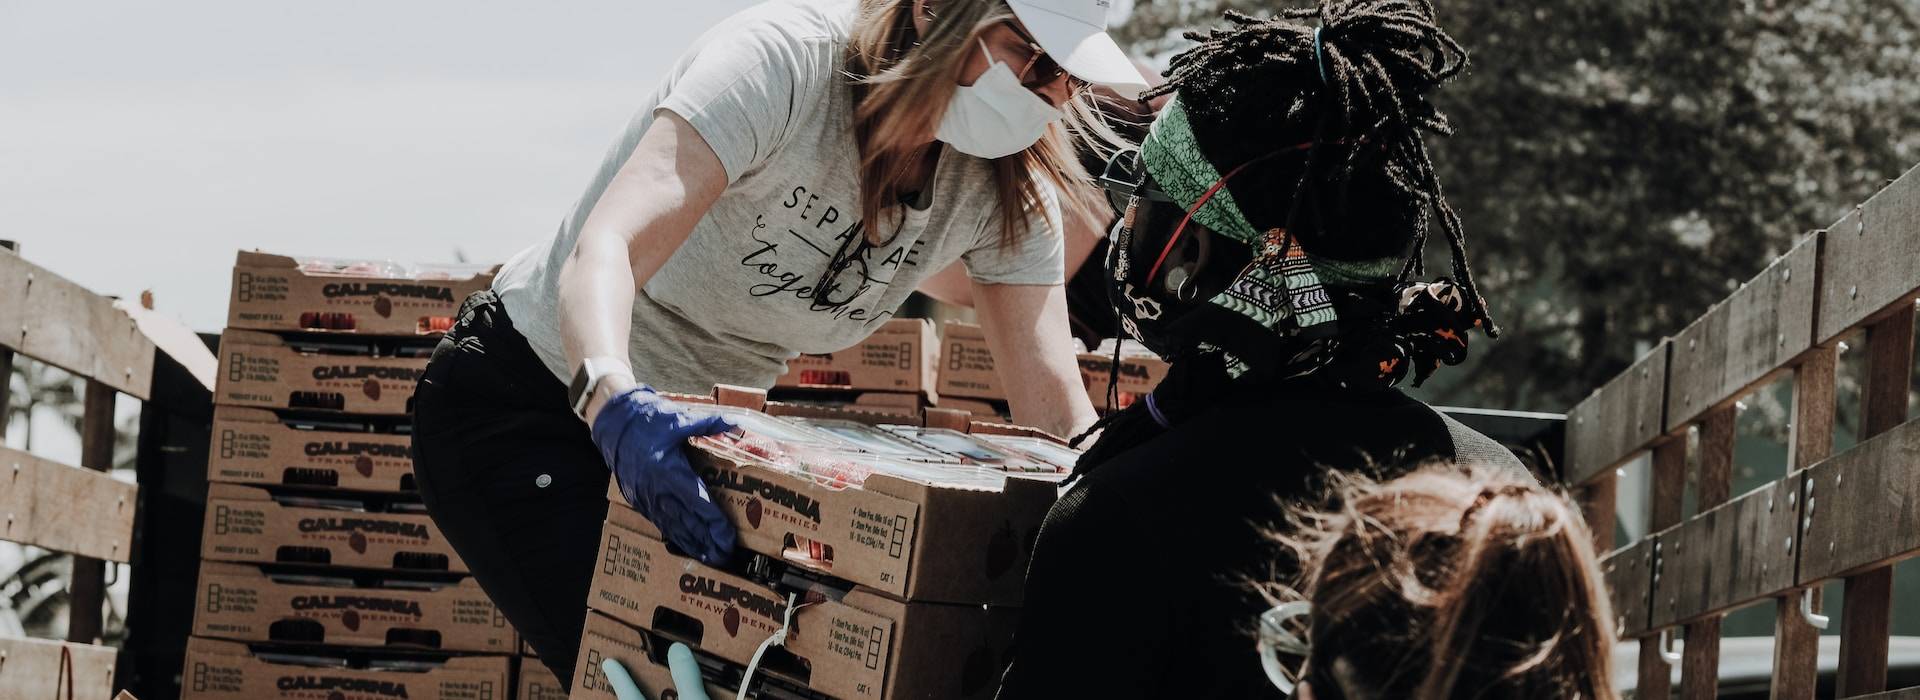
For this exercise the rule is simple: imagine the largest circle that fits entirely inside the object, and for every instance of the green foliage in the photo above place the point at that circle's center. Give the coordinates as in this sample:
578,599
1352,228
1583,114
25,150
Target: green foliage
1624,164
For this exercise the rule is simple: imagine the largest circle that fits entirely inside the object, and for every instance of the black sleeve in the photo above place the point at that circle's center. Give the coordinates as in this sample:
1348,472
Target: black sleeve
1090,619
1472,447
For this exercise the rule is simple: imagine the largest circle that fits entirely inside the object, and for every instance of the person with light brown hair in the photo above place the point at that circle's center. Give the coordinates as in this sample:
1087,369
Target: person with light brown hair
1448,582
803,168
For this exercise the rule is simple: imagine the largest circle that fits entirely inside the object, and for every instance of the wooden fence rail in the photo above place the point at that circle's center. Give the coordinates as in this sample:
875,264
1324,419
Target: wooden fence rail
1843,517
75,510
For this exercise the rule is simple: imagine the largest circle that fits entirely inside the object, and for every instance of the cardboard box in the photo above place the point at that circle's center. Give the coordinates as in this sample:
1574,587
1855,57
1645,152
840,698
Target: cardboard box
865,645
217,670
900,356
872,408
604,639
269,371
978,408
239,602
966,364
904,538
537,682
1139,374
255,446
277,293
246,524
31,669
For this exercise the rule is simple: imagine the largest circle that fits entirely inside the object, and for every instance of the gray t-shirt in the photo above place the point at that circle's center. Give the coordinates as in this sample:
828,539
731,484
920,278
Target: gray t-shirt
767,90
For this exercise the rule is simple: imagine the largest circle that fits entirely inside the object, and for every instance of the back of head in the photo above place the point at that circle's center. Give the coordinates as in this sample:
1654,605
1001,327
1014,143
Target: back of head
1454,583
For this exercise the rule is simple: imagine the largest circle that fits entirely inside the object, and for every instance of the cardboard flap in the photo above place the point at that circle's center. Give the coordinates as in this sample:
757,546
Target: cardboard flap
236,492
237,335
255,258
243,414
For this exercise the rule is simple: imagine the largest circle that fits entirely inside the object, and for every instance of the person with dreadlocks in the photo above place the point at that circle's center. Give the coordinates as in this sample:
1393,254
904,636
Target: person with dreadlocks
1277,212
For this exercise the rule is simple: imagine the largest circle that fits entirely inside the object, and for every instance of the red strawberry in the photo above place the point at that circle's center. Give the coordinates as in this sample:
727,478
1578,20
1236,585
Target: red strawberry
372,388
753,513
351,618
358,541
731,620
383,306
363,464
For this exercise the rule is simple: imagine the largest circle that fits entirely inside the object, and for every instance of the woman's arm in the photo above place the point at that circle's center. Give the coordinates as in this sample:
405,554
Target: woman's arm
646,213
1026,326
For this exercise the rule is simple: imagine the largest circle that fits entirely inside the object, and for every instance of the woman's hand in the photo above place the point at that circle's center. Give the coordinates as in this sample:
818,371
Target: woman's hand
643,438
1026,325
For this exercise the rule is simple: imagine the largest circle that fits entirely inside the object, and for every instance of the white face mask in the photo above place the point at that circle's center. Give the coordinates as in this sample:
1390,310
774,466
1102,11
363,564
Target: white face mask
996,116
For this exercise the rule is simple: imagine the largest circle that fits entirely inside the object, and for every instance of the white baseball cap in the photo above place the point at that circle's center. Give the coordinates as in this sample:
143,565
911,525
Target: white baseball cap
1074,33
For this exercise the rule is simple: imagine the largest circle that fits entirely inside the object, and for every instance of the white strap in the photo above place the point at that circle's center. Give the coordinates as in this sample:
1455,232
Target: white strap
779,637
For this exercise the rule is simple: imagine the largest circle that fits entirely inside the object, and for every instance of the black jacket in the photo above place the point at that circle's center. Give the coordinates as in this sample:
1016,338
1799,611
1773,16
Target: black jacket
1138,586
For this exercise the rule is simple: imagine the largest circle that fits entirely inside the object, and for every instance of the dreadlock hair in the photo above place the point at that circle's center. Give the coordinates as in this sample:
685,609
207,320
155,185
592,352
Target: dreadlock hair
1359,97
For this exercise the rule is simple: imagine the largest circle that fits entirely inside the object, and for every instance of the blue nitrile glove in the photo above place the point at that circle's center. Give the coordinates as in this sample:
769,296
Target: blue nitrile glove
686,673
643,436
623,686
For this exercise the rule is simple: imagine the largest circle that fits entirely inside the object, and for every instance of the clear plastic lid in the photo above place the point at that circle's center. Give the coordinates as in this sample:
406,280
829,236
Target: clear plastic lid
973,450
867,438
852,469
759,424
1047,451
389,269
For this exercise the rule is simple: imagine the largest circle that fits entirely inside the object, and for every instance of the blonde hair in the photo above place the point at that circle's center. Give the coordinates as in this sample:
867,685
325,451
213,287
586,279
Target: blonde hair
1453,582
903,81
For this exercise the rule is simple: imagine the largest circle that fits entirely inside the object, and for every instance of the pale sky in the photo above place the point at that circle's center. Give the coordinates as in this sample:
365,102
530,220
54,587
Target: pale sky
142,144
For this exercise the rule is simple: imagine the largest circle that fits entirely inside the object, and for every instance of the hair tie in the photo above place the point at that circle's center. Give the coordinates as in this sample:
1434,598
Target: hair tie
1319,59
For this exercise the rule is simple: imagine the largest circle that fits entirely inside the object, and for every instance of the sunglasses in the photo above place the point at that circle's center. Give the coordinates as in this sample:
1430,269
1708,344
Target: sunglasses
1040,70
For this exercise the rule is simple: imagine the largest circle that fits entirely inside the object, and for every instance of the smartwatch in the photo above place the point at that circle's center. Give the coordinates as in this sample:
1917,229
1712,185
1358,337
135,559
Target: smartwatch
587,378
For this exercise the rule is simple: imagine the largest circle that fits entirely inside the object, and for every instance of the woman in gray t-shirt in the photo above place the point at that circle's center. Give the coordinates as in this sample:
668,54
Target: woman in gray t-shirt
800,171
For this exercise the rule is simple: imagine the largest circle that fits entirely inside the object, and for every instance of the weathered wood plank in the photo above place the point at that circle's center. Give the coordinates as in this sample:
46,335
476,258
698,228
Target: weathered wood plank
6,387
1744,340
1796,643
1619,419
1700,660
1629,578
1866,626
63,508
1727,557
1598,504
48,318
1871,258
34,668
1669,484
1814,401
1865,507
1866,618
1700,663
87,587
1796,650
1656,677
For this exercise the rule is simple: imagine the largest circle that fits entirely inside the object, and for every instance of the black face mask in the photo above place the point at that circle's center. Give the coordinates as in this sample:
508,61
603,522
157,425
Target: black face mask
1159,270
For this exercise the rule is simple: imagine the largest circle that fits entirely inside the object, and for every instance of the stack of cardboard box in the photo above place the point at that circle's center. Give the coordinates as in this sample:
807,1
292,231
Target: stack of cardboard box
898,587
1139,372
322,575
968,380
891,372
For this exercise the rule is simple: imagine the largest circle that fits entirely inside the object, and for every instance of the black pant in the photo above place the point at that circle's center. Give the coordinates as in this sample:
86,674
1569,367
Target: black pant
511,477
